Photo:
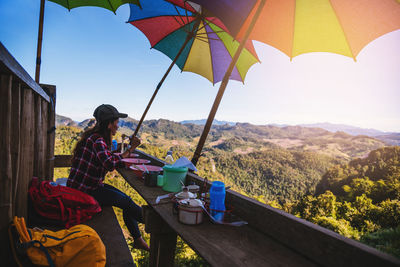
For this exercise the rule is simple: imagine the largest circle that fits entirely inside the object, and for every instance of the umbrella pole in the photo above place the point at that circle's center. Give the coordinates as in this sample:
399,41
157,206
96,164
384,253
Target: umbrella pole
223,85
189,36
39,43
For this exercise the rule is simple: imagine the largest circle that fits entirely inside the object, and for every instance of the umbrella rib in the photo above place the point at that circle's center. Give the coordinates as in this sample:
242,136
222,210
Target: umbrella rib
134,20
234,52
187,18
174,31
212,32
180,16
294,29
212,66
112,8
203,40
344,33
177,21
206,38
196,24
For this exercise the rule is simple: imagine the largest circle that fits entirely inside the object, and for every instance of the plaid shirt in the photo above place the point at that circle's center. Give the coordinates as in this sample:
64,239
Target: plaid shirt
90,164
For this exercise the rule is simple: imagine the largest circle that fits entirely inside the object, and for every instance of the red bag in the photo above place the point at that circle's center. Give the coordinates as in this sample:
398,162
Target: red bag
62,203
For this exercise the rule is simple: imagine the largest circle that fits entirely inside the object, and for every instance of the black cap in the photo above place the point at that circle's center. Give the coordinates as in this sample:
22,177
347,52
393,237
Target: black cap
107,112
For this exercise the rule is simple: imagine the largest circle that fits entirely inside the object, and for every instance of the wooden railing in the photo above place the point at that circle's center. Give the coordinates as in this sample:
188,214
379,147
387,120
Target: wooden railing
320,245
27,119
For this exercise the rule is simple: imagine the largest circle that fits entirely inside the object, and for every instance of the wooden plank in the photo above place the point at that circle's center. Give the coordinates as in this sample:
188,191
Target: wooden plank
38,152
16,140
314,242
62,161
26,159
221,245
50,131
110,232
6,206
44,139
9,64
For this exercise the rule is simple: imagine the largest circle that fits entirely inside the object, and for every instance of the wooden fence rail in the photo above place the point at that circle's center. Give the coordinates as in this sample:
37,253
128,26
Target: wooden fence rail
27,119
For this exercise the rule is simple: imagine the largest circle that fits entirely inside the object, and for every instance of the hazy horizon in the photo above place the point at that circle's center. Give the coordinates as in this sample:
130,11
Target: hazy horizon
216,119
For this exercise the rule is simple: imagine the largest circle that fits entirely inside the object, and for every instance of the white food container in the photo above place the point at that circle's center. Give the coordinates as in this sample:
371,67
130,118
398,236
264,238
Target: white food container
190,211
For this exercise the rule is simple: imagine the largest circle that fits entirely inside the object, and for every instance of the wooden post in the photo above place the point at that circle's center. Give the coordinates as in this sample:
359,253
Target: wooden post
162,240
38,151
5,148
39,44
16,135
6,206
188,38
223,85
26,157
50,129
43,137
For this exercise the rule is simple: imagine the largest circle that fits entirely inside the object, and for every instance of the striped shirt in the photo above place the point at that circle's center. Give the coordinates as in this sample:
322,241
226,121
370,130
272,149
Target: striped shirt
90,164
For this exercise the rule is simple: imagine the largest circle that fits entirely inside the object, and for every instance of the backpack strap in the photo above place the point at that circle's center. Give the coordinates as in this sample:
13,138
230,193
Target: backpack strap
42,248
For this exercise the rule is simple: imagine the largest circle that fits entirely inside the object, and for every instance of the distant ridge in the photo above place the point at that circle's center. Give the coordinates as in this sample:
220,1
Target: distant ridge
203,122
331,127
194,127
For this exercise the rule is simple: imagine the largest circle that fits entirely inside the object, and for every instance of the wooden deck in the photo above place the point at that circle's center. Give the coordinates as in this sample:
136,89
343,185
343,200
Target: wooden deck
272,237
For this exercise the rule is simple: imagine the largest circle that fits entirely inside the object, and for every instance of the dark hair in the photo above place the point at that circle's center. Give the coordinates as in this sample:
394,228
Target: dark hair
100,128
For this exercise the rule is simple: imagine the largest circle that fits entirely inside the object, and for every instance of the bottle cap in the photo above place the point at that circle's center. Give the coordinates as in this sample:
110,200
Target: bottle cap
218,186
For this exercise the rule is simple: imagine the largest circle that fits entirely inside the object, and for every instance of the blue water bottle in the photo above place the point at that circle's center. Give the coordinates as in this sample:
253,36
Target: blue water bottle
217,200
114,145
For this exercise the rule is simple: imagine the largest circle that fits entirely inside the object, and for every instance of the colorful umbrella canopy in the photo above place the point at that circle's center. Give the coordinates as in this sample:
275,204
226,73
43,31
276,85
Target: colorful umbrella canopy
210,49
112,5
194,40
298,26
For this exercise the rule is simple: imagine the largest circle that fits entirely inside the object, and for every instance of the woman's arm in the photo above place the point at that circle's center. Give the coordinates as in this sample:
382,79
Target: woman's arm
109,160
135,142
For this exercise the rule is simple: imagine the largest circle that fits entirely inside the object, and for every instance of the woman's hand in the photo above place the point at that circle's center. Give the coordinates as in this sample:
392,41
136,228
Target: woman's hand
135,142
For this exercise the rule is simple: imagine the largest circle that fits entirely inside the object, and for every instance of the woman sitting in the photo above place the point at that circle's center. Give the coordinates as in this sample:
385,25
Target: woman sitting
92,159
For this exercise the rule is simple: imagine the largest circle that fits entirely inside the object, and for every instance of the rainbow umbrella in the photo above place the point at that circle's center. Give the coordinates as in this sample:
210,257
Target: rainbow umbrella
112,5
195,40
296,27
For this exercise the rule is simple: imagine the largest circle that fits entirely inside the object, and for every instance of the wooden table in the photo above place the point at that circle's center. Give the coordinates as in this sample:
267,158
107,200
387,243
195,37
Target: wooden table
219,245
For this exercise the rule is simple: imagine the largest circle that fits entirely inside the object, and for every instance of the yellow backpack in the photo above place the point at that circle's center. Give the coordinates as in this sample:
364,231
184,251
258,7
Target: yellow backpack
77,246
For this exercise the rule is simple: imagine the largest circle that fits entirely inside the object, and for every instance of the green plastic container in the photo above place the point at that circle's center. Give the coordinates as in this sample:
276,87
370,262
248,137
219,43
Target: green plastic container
172,178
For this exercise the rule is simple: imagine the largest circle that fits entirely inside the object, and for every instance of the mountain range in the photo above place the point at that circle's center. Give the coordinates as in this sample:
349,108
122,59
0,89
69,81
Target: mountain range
129,124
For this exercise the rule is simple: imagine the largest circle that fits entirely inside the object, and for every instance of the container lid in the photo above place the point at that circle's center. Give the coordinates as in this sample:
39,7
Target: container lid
169,168
135,161
185,195
147,167
217,186
191,202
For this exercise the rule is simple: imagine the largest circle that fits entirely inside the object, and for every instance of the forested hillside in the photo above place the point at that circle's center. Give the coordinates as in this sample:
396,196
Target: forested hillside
360,200
349,184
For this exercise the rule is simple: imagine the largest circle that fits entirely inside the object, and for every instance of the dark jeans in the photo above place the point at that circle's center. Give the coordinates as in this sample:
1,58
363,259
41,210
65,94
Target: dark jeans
132,213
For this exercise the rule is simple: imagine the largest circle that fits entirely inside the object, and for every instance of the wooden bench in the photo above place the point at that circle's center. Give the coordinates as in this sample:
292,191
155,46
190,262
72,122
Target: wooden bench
110,232
107,227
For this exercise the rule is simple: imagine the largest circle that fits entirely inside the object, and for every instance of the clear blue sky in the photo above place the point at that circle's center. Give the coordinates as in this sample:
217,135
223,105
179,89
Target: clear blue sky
94,57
